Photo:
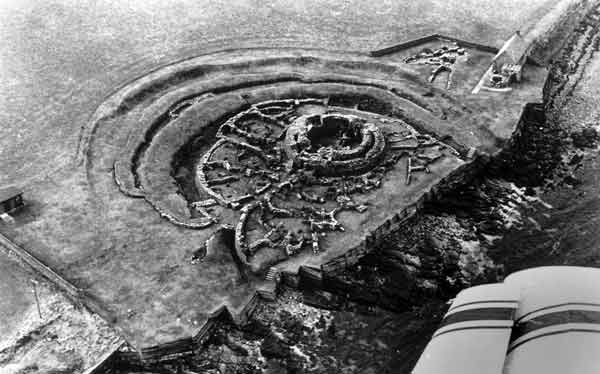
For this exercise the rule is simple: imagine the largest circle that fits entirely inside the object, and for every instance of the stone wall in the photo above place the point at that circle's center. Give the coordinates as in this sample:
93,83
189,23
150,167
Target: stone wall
184,347
461,176
433,37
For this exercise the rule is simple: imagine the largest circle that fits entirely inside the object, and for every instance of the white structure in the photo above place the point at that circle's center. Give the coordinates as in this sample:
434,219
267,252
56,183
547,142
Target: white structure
507,65
512,54
541,320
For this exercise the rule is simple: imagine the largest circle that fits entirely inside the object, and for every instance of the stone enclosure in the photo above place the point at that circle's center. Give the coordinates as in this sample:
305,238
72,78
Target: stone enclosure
204,180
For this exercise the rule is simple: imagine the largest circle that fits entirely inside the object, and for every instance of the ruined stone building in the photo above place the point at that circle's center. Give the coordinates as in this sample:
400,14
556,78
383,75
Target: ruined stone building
507,65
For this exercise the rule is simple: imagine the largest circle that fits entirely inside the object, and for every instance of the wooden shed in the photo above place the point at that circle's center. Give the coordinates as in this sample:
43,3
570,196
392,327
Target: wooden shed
10,200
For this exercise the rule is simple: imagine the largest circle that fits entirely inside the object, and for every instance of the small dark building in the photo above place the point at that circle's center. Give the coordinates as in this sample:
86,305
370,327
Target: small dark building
10,200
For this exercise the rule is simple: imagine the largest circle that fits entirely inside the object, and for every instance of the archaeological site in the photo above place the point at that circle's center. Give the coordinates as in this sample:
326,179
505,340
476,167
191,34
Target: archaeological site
295,186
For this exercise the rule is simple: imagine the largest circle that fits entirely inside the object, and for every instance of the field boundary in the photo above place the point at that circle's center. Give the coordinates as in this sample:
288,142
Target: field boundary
75,294
429,38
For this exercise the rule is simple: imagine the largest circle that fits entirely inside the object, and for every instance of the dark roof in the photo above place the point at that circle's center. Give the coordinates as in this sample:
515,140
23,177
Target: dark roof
9,193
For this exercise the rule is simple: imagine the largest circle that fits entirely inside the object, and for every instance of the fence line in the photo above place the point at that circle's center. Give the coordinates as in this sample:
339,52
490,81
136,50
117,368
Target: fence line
75,294
414,42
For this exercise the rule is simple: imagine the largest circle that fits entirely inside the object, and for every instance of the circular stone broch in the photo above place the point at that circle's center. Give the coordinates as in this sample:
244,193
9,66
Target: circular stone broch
334,144
284,149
